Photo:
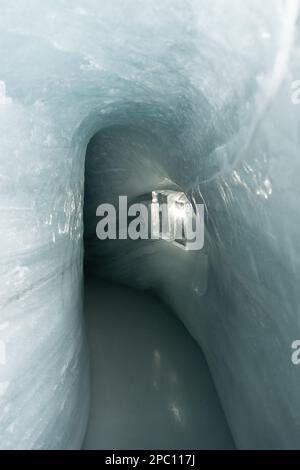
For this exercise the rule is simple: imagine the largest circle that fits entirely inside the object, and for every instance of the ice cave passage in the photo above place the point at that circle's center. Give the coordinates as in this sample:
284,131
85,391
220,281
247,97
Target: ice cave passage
187,348
150,384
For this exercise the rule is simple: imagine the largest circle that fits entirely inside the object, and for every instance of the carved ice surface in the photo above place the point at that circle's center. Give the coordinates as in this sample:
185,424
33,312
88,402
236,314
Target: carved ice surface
192,94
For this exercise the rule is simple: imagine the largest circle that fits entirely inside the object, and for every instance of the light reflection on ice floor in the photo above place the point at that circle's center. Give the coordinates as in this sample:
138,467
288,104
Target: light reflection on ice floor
151,387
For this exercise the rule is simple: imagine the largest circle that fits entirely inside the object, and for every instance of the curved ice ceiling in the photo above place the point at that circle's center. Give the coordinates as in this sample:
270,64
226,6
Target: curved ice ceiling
203,91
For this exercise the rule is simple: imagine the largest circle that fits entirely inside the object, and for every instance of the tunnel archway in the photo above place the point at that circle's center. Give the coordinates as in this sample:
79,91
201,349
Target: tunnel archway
151,387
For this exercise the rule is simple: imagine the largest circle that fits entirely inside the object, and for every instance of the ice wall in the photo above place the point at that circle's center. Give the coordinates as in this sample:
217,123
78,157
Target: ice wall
211,81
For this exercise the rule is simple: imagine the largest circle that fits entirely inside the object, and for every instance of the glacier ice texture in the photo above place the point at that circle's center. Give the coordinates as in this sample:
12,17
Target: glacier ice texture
169,94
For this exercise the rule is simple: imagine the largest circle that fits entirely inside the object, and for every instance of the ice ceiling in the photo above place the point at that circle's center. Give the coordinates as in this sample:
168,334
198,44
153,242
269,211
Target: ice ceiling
186,94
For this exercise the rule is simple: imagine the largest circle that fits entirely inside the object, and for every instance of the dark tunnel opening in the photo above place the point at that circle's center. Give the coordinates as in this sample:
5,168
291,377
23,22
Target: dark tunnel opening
150,383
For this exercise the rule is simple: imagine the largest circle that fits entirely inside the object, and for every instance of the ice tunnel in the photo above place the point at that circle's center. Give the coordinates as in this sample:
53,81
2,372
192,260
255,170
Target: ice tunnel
122,344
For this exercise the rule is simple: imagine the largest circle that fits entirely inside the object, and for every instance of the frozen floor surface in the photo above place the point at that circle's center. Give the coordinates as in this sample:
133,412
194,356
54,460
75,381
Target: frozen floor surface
151,387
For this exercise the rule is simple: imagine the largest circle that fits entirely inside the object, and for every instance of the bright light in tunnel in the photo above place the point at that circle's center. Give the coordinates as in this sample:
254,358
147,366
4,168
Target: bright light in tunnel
179,216
178,211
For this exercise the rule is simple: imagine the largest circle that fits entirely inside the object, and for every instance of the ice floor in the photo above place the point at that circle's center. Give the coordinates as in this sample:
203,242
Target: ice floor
150,384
